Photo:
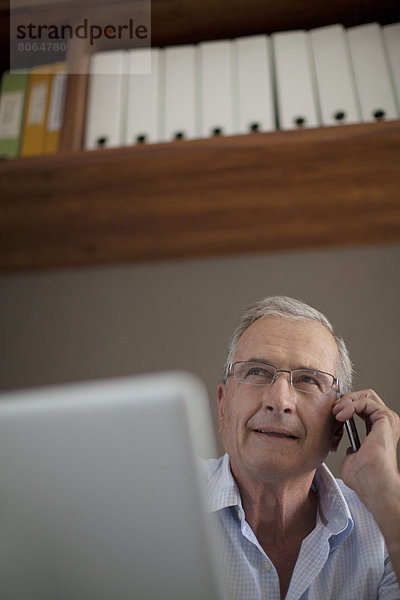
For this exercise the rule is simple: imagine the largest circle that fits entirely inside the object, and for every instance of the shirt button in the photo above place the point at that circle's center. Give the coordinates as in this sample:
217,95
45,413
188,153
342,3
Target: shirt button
266,566
239,514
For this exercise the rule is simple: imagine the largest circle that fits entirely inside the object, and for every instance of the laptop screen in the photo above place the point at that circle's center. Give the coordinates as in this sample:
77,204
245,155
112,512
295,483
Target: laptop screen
100,492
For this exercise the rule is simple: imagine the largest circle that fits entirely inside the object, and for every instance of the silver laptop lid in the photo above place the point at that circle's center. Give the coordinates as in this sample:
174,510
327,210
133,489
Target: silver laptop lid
100,493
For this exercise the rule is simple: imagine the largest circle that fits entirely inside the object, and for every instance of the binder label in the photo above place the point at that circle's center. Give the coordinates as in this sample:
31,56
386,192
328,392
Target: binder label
10,114
37,106
54,120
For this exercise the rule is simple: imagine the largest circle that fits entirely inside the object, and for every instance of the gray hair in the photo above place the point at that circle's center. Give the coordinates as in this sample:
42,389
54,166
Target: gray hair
283,306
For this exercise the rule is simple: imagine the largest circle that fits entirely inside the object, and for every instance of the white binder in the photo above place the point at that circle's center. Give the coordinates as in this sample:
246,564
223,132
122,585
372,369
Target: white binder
254,84
295,80
145,96
217,88
371,70
181,93
106,104
335,79
391,36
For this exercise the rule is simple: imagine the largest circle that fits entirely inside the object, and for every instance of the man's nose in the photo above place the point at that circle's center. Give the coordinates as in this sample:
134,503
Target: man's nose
280,396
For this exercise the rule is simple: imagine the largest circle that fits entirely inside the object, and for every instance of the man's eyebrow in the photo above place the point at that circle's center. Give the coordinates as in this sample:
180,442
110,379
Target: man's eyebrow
265,361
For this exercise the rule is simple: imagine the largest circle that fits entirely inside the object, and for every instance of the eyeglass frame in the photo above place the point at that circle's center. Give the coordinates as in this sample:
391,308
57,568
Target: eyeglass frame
231,371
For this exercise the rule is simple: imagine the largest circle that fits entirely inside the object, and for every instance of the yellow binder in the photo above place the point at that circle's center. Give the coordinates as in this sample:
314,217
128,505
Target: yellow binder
37,106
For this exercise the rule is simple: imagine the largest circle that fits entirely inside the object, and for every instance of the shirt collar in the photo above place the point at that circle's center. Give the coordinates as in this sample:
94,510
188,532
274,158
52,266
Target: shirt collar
334,511
333,508
222,490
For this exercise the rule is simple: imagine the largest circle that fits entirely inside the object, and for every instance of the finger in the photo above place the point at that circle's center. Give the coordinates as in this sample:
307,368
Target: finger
364,395
363,402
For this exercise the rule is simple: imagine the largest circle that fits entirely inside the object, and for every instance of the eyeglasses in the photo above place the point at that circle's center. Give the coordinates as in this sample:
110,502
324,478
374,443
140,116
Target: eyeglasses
308,381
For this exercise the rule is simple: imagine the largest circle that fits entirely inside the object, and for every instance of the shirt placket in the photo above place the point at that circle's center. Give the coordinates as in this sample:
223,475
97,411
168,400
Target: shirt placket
268,576
312,557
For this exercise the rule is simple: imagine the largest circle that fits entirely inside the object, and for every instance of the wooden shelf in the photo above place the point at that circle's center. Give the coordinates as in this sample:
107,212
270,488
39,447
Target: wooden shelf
282,190
261,192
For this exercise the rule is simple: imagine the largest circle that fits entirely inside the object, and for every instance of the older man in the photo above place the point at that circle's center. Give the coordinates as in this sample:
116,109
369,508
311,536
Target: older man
289,529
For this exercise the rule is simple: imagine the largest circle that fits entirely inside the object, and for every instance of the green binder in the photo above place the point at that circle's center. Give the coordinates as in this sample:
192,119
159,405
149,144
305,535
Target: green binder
12,102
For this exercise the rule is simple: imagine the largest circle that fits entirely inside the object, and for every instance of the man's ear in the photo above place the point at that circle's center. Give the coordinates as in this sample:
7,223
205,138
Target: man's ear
337,435
221,403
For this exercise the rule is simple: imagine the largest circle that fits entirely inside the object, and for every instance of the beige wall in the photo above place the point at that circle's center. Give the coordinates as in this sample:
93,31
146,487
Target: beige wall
101,322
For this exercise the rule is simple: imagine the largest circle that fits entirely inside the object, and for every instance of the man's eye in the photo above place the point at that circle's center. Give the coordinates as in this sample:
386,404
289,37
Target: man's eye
256,372
307,379
259,372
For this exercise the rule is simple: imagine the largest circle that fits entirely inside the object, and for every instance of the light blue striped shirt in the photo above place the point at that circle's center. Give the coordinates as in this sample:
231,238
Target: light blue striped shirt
343,558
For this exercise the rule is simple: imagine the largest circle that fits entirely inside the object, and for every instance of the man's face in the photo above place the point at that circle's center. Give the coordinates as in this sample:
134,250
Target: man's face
255,422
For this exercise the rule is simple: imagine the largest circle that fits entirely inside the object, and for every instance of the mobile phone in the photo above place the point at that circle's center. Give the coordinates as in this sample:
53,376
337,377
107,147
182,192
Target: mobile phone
351,429
353,434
